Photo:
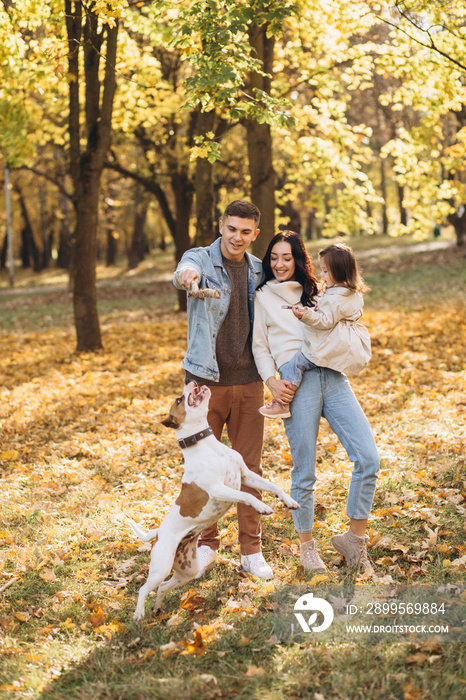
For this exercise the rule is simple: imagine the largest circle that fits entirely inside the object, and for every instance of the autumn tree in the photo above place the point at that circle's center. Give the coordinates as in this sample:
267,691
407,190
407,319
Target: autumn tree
229,47
429,158
96,38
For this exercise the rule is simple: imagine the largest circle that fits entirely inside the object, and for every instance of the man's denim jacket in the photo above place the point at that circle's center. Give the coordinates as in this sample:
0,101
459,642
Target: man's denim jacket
206,316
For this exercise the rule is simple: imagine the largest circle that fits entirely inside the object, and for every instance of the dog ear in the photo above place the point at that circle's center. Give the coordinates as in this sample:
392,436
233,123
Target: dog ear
170,422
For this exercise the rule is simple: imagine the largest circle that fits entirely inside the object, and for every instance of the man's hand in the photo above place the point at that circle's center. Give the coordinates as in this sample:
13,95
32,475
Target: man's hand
186,277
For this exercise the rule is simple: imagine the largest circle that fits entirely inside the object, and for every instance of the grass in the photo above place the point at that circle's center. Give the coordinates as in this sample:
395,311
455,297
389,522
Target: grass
82,449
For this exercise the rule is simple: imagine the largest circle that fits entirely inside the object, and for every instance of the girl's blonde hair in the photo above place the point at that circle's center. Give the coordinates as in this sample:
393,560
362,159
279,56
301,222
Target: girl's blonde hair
343,267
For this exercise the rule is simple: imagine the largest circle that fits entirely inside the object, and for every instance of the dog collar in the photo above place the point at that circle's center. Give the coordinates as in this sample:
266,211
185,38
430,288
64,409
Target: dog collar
194,439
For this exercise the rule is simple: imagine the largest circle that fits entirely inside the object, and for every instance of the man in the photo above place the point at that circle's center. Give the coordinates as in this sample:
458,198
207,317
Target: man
219,354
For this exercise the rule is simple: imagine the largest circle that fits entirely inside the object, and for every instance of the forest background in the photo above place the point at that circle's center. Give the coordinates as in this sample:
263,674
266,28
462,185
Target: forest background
125,128
128,126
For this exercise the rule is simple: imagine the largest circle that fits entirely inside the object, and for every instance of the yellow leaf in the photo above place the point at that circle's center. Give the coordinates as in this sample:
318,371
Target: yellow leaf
12,686
170,649
96,619
446,563
22,617
68,624
48,575
373,541
147,654
10,455
191,600
318,578
255,671
195,647
418,658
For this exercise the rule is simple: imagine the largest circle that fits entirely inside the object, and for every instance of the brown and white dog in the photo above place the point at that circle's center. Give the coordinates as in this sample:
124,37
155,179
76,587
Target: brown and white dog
213,475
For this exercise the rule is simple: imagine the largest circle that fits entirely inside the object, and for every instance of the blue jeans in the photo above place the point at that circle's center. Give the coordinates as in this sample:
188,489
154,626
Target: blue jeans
295,368
324,392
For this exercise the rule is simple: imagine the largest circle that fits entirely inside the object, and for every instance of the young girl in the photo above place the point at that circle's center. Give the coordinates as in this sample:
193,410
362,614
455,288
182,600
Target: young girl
333,337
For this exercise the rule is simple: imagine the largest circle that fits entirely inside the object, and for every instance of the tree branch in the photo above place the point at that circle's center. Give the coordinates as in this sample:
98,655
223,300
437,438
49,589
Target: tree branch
150,185
431,45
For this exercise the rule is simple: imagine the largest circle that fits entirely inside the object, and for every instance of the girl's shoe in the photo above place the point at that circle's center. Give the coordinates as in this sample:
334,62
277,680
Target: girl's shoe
275,409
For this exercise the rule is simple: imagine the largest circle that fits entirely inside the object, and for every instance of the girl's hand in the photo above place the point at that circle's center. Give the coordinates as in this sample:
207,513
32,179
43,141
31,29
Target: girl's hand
281,389
298,311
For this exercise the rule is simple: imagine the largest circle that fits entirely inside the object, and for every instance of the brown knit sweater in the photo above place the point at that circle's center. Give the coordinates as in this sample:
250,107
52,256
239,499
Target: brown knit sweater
234,353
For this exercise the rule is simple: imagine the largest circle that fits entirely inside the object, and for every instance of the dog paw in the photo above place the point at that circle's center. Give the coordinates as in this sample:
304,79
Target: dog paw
265,510
291,503
138,616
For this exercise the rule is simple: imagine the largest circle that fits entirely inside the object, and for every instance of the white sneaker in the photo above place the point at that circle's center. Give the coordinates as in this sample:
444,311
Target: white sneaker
256,564
206,557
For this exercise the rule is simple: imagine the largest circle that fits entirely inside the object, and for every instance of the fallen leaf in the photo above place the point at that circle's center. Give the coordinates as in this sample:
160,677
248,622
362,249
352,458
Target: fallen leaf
48,575
418,658
22,616
254,671
191,600
96,619
10,455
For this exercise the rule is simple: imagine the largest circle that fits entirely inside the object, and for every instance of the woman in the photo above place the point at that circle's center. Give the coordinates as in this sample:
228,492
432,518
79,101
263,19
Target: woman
277,335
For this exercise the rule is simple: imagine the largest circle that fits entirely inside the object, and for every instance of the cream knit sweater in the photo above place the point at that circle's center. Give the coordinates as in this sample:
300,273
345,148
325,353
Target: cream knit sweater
277,333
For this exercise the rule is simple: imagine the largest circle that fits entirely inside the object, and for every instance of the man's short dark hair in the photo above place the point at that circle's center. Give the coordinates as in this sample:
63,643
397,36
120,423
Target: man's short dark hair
243,209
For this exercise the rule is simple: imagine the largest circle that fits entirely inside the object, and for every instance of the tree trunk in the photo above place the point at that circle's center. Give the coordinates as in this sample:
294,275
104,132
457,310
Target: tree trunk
85,292
183,192
3,251
403,212
87,162
204,187
44,225
259,139
112,248
28,244
383,190
137,248
64,236
458,221
294,217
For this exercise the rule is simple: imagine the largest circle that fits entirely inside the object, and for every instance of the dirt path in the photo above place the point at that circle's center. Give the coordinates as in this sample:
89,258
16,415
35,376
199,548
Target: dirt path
392,251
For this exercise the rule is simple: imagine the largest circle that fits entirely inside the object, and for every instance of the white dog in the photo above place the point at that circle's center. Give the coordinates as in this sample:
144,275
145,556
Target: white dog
213,474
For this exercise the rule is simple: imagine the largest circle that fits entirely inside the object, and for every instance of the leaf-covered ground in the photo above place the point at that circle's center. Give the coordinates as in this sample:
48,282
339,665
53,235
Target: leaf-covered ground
82,448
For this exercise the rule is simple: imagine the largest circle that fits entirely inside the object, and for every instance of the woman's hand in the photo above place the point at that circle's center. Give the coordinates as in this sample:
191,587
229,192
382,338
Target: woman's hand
298,311
282,390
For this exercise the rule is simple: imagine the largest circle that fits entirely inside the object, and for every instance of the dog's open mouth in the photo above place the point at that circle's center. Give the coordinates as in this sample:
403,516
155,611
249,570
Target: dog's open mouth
197,395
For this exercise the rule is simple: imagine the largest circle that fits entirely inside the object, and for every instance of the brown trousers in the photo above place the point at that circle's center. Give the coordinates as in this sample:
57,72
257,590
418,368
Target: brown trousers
237,408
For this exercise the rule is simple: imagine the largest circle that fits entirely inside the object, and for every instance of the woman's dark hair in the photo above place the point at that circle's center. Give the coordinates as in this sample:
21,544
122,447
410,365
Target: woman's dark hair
343,267
304,273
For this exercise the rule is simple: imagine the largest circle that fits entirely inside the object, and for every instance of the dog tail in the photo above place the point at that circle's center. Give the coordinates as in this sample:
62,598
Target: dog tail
144,536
